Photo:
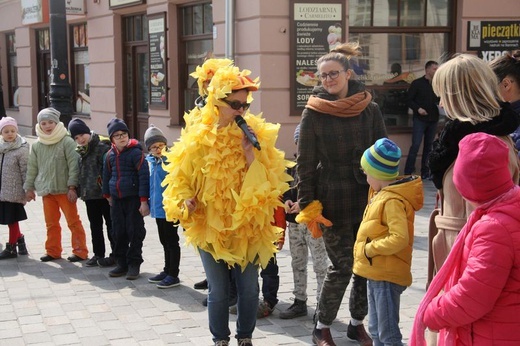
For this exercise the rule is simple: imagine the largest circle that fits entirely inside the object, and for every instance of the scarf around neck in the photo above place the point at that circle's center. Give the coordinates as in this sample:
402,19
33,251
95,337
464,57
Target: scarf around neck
56,135
8,146
451,271
446,148
345,108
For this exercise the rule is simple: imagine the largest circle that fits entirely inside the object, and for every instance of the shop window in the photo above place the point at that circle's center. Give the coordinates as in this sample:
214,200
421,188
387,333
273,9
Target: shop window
401,59
399,13
80,73
12,73
397,37
197,39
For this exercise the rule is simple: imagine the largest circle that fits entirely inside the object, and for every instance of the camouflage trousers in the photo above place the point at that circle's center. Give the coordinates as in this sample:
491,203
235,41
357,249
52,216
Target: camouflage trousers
300,242
339,240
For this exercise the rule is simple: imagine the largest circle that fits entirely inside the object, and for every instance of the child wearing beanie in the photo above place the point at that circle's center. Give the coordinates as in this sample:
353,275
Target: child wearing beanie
474,299
53,173
384,243
14,153
92,149
156,143
126,186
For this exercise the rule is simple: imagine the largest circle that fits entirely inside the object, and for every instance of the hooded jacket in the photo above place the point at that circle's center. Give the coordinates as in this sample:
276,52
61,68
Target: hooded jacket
384,244
157,174
480,279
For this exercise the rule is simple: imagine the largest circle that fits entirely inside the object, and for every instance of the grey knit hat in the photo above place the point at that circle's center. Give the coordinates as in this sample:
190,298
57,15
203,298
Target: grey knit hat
153,135
49,114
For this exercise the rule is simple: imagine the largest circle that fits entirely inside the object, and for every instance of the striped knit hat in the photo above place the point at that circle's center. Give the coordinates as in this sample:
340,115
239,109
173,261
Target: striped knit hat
381,161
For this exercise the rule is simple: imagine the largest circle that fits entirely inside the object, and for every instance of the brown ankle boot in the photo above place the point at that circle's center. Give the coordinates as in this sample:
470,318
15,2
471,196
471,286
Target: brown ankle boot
322,337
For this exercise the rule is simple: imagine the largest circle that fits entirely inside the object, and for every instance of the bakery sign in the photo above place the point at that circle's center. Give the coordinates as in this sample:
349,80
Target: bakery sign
493,38
316,28
37,11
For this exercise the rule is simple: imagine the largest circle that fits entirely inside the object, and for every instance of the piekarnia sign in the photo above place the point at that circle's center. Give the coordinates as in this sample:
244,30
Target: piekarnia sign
493,38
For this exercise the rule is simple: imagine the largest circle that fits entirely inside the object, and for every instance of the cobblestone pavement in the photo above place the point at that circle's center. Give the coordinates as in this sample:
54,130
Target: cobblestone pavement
63,303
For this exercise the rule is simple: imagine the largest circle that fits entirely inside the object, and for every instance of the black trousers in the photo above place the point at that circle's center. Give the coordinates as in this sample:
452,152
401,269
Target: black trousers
128,231
169,239
97,210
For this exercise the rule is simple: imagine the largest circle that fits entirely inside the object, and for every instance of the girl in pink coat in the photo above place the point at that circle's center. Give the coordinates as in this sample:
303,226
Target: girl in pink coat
480,302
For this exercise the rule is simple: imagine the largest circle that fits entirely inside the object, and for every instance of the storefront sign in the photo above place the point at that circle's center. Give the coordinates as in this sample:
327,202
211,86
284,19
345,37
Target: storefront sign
316,28
122,3
492,39
35,11
157,45
75,7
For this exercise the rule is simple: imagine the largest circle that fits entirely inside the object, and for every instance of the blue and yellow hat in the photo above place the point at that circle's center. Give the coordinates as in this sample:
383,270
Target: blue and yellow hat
381,161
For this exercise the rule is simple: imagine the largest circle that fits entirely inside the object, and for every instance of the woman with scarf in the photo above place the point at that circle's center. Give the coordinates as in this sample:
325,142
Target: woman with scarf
339,123
469,93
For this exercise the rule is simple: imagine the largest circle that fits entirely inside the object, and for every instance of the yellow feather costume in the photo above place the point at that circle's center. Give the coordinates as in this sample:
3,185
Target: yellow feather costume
235,204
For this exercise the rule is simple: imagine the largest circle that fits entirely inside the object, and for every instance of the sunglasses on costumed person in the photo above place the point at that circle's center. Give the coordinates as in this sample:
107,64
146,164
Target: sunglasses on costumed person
236,105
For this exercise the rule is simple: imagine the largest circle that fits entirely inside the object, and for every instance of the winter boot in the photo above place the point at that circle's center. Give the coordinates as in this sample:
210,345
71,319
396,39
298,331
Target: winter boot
22,248
9,252
299,308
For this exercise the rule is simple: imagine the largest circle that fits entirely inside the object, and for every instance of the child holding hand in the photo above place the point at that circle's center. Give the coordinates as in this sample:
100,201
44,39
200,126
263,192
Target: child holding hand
52,172
14,153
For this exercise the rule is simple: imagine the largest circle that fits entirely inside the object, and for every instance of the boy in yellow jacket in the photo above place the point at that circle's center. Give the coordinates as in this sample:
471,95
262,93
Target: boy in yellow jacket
383,248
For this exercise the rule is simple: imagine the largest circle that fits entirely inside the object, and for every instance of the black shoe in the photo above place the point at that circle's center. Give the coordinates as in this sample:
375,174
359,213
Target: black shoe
106,262
9,252
75,258
298,309
133,272
22,248
203,285
245,342
48,258
118,271
205,302
92,262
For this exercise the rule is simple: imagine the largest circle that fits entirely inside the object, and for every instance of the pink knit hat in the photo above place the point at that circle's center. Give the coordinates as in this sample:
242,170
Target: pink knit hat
5,121
481,172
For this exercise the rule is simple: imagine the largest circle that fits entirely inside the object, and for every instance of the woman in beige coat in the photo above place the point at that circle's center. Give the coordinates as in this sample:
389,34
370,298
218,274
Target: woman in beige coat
468,89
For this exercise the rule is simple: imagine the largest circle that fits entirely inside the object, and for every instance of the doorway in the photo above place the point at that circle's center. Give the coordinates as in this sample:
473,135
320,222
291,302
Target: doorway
136,75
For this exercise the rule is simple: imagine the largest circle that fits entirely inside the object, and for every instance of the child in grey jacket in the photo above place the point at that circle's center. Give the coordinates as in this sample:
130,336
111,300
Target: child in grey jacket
14,153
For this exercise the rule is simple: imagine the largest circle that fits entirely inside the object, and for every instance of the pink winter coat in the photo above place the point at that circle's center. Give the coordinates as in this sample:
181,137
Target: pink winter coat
484,303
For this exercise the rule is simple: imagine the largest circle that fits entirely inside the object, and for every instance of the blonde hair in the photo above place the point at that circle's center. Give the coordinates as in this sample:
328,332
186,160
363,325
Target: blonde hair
468,89
342,54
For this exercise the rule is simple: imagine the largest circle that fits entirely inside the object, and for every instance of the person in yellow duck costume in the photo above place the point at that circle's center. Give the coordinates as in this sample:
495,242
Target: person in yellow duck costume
224,193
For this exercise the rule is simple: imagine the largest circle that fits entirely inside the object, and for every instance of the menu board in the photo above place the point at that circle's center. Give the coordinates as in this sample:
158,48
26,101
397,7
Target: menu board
316,28
157,43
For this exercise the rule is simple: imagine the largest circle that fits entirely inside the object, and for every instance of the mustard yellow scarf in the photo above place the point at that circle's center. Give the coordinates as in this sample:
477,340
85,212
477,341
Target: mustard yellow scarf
345,108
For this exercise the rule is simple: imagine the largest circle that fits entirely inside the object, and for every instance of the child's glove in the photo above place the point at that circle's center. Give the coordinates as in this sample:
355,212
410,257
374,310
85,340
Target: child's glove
311,216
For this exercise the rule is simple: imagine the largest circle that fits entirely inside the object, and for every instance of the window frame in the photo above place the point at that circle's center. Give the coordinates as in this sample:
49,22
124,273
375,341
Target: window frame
184,40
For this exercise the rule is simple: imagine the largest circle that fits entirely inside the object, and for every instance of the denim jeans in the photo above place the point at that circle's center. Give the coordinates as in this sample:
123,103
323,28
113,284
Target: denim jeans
426,129
217,273
384,299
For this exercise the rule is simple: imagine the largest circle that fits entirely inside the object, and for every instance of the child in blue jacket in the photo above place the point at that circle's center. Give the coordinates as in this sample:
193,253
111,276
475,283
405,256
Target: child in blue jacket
126,185
169,277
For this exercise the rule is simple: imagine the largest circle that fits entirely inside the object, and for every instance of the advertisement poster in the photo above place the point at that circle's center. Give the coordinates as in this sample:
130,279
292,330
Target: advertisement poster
316,28
157,44
493,38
